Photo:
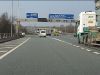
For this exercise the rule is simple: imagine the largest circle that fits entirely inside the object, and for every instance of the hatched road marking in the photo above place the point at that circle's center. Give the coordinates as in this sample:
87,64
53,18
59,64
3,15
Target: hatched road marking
9,45
5,47
4,55
3,51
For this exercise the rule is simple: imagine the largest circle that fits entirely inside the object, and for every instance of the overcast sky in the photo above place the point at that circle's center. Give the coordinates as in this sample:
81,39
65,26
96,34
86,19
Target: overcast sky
43,8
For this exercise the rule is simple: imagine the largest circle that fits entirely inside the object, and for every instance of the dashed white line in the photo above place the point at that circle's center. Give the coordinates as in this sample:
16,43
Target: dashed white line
96,52
76,46
62,41
4,55
65,42
88,50
58,39
82,48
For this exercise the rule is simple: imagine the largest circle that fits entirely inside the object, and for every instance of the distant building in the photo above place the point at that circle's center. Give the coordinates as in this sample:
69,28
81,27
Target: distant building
98,11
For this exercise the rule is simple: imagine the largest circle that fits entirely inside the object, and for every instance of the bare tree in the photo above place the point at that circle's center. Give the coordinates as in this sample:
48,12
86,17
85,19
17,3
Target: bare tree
5,24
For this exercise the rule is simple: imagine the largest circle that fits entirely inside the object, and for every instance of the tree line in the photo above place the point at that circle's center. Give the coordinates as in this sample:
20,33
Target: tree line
5,24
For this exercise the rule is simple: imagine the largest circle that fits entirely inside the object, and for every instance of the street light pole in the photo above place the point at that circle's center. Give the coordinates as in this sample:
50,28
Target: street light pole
12,19
17,30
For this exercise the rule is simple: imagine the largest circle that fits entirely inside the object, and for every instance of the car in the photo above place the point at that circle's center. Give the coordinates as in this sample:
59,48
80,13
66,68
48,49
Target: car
23,34
42,33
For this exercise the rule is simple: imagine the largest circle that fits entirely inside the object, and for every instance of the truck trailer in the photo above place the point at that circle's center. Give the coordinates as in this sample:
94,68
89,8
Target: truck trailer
87,32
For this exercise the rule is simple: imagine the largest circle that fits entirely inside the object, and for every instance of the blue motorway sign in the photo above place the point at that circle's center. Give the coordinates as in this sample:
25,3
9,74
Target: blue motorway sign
61,16
31,15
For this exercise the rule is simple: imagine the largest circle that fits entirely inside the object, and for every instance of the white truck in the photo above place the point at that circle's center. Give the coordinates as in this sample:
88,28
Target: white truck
87,32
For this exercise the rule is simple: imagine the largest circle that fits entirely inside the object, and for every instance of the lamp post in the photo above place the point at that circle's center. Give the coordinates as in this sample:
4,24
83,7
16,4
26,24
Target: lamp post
12,19
18,19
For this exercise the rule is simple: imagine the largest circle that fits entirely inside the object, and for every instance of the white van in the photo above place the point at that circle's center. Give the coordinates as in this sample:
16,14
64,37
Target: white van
42,33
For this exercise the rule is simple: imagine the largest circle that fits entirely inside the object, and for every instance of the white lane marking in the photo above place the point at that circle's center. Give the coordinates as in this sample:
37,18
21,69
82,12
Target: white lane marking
9,45
3,51
61,41
65,42
96,52
88,50
4,55
5,47
71,44
77,46
82,48
57,39
74,45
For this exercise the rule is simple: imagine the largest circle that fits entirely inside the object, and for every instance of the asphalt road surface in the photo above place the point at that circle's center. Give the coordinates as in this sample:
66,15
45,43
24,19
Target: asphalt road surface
60,55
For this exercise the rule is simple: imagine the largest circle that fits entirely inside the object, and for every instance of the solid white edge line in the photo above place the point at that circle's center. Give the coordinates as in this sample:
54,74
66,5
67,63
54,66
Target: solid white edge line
4,55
